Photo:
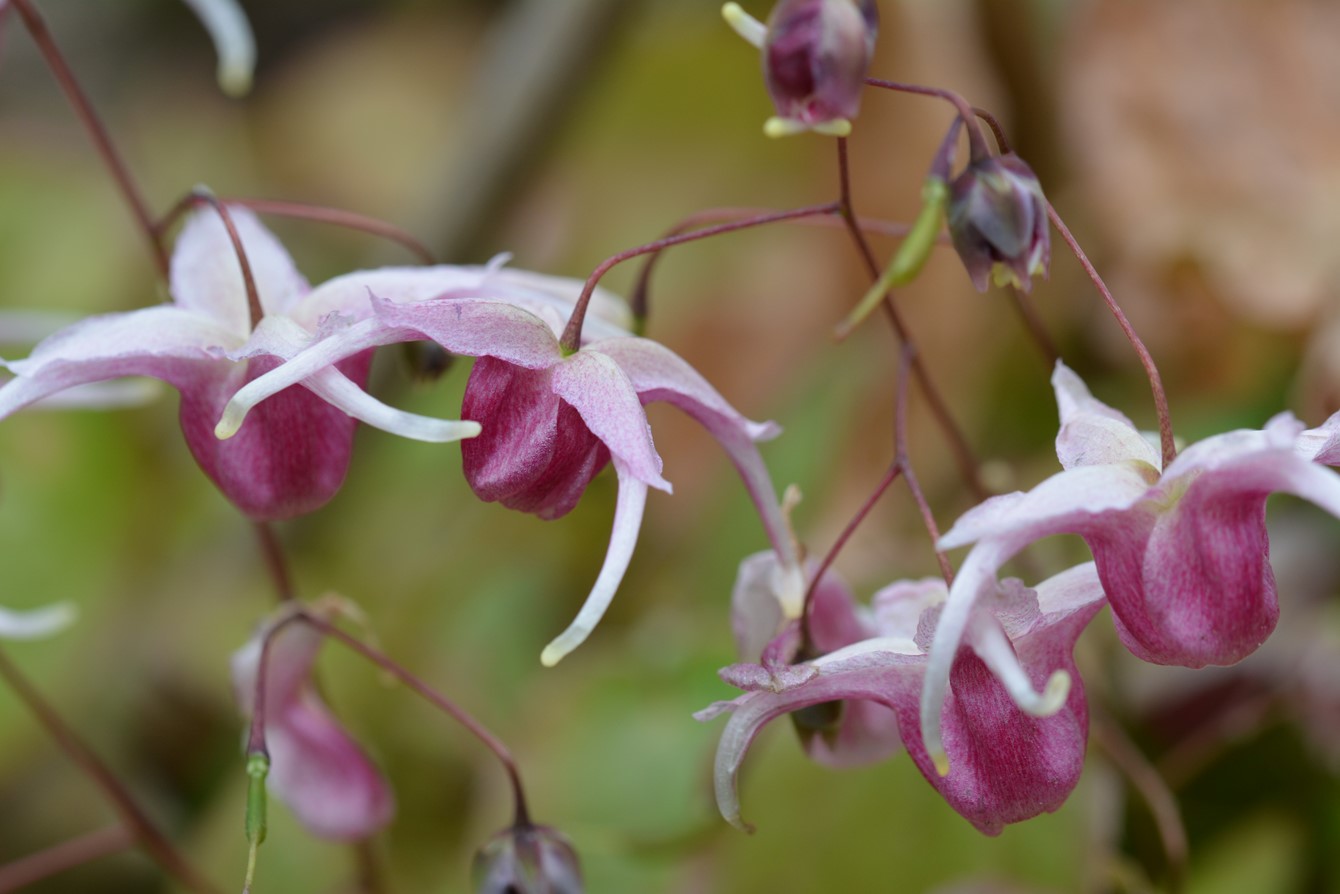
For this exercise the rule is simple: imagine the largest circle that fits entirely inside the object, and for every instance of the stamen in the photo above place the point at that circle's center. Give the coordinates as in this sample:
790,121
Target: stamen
745,25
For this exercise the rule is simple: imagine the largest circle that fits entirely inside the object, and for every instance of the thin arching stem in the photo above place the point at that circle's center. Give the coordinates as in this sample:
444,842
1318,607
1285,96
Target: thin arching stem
639,297
205,197
256,739
275,563
58,858
963,454
976,140
348,220
572,333
904,461
97,131
1153,790
1146,359
154,842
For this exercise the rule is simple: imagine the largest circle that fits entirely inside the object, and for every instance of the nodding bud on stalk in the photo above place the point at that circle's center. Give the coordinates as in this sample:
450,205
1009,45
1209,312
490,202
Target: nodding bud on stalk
815,57
526,859
998,221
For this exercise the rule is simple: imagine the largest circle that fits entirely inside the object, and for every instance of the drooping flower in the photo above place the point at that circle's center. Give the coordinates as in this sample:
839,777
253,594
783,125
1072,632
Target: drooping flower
291,458
998,221
815,57
835,734
1015,725
527,859
1182,552
551,419
315,767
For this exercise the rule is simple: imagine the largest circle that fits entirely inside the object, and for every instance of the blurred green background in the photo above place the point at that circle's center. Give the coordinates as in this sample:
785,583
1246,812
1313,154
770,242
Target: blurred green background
1192,146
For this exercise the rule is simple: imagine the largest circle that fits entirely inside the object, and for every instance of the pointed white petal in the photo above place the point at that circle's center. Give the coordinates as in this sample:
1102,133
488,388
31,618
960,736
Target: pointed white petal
627,522
231,32
36,623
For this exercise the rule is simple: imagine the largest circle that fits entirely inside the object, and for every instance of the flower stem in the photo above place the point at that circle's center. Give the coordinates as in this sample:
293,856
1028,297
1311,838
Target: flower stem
1146,360
572,334
1034,326
977,148
202,196
639,299
904,461
274,560
66,855
154,842
958,444
441,702
1153,789
349,220
256,739
97,132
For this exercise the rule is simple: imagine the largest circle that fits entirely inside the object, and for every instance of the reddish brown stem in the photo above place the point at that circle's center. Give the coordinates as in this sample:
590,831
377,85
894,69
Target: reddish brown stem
957,442
205,197
572,334
154,842
66,855
1153,790
904,461
1146,360
638,299
274,560
976,140
97,132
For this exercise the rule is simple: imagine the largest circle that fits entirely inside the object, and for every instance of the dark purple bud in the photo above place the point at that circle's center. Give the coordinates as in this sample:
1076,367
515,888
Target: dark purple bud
527,859
998,221
815,57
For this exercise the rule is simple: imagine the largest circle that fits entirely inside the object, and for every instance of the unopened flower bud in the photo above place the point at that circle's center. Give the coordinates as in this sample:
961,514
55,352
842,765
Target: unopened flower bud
998,221
815,57
527,859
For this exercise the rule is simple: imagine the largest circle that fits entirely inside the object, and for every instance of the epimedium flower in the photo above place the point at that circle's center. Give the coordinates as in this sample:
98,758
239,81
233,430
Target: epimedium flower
1015,720
551,419
292,456
835,734
997,218
315,768
1182,552
815,57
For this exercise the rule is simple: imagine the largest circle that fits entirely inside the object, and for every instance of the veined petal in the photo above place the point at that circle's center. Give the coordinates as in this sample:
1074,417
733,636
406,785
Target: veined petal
476,327
882,680
351,294
659,374
977,573
233,41
1092,433
628,509
38,622
1065,502
163,342
206,276
607,316
1321,444
595,385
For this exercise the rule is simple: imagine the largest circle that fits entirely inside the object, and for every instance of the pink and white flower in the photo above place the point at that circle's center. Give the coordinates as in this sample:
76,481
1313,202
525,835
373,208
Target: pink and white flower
1182,552
315,767
550,419
1015,718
